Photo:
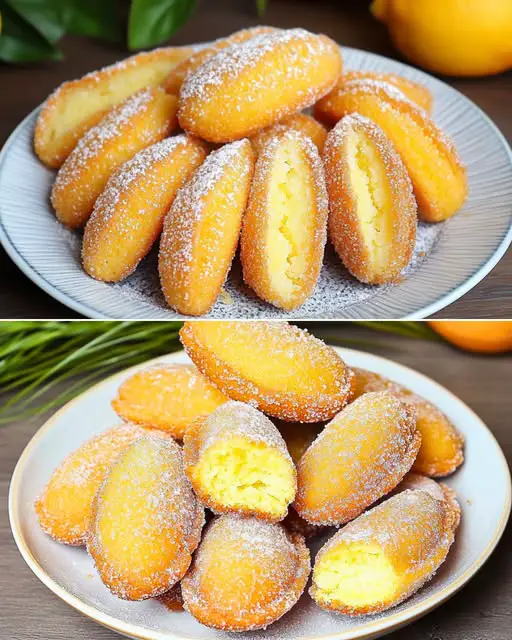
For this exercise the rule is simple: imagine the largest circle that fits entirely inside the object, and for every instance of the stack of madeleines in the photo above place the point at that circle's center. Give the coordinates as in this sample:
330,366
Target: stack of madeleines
272,433
249,167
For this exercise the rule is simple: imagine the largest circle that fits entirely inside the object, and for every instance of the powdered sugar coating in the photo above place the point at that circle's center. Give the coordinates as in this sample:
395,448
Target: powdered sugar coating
77,479
322,381
358,457
165,519
261,69
412,529
246,574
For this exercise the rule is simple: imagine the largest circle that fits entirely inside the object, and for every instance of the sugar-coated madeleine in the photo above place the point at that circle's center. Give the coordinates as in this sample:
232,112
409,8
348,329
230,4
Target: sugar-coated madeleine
359,457
138,122
128,216
174,80
372,209
281,369
301,122
169,397
415,91
436,171
172,599
202,228
442,446
237,462
64,508
146,520
257,83
76,106
285,226
246,574
384,556
438,490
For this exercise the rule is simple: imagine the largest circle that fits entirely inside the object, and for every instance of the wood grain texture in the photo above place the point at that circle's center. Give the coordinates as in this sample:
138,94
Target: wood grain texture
483,609
348,22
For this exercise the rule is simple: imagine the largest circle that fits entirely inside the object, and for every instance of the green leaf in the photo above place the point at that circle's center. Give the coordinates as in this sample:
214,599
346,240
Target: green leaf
152,22
261,6
45,17
92,18
21,41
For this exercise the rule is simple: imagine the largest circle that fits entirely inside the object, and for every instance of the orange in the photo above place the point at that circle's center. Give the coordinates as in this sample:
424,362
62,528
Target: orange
481,336
453,37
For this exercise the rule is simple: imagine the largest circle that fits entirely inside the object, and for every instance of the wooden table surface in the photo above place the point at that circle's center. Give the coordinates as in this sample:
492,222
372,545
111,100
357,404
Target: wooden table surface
347,21
482,611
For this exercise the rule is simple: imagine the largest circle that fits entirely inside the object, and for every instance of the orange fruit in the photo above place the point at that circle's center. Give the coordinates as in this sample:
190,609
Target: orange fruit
453,37
481,336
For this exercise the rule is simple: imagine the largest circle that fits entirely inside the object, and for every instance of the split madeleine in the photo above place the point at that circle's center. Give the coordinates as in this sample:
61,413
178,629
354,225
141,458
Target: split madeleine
358,457
285,225
237,461
146,520
283,370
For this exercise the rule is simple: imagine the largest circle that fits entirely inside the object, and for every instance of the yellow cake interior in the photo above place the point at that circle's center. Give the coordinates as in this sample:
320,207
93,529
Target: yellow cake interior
242,473
355,575
290,227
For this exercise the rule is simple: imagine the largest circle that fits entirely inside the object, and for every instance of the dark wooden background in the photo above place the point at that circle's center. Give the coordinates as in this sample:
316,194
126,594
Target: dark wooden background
347,21
481,611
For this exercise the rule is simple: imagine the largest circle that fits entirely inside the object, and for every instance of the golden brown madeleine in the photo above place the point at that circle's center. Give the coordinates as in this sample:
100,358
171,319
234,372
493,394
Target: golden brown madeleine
174,80
138,122
172,599
384,556
281,369
146,520
128,216
442,446
246,574
437,490
64,507
202,228
372,210
359,457
301,122
285,226
76,106
415,91
170,397
434,166
237,462
257,83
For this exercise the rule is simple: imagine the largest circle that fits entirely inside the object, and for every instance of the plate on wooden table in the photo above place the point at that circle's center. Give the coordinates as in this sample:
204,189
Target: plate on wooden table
450,258
482,485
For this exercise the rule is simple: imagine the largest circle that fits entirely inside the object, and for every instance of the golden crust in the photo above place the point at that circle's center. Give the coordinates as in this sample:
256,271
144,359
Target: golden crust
64,507
301,122
415,91
246,574
285,229
373,214
359,457
243,423
436,171
281,369
257,83
138,122
76,106
128,216
146,520
202,228
412,530
169,397
174,80
442,446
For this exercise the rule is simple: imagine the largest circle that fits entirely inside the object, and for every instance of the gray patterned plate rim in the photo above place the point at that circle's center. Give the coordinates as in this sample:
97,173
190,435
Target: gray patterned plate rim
463,250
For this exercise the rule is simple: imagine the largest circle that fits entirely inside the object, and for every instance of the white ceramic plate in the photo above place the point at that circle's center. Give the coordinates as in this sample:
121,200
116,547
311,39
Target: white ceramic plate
482,485
449,260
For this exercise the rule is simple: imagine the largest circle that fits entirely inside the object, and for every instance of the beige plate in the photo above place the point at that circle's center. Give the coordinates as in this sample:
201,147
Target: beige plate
482,485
